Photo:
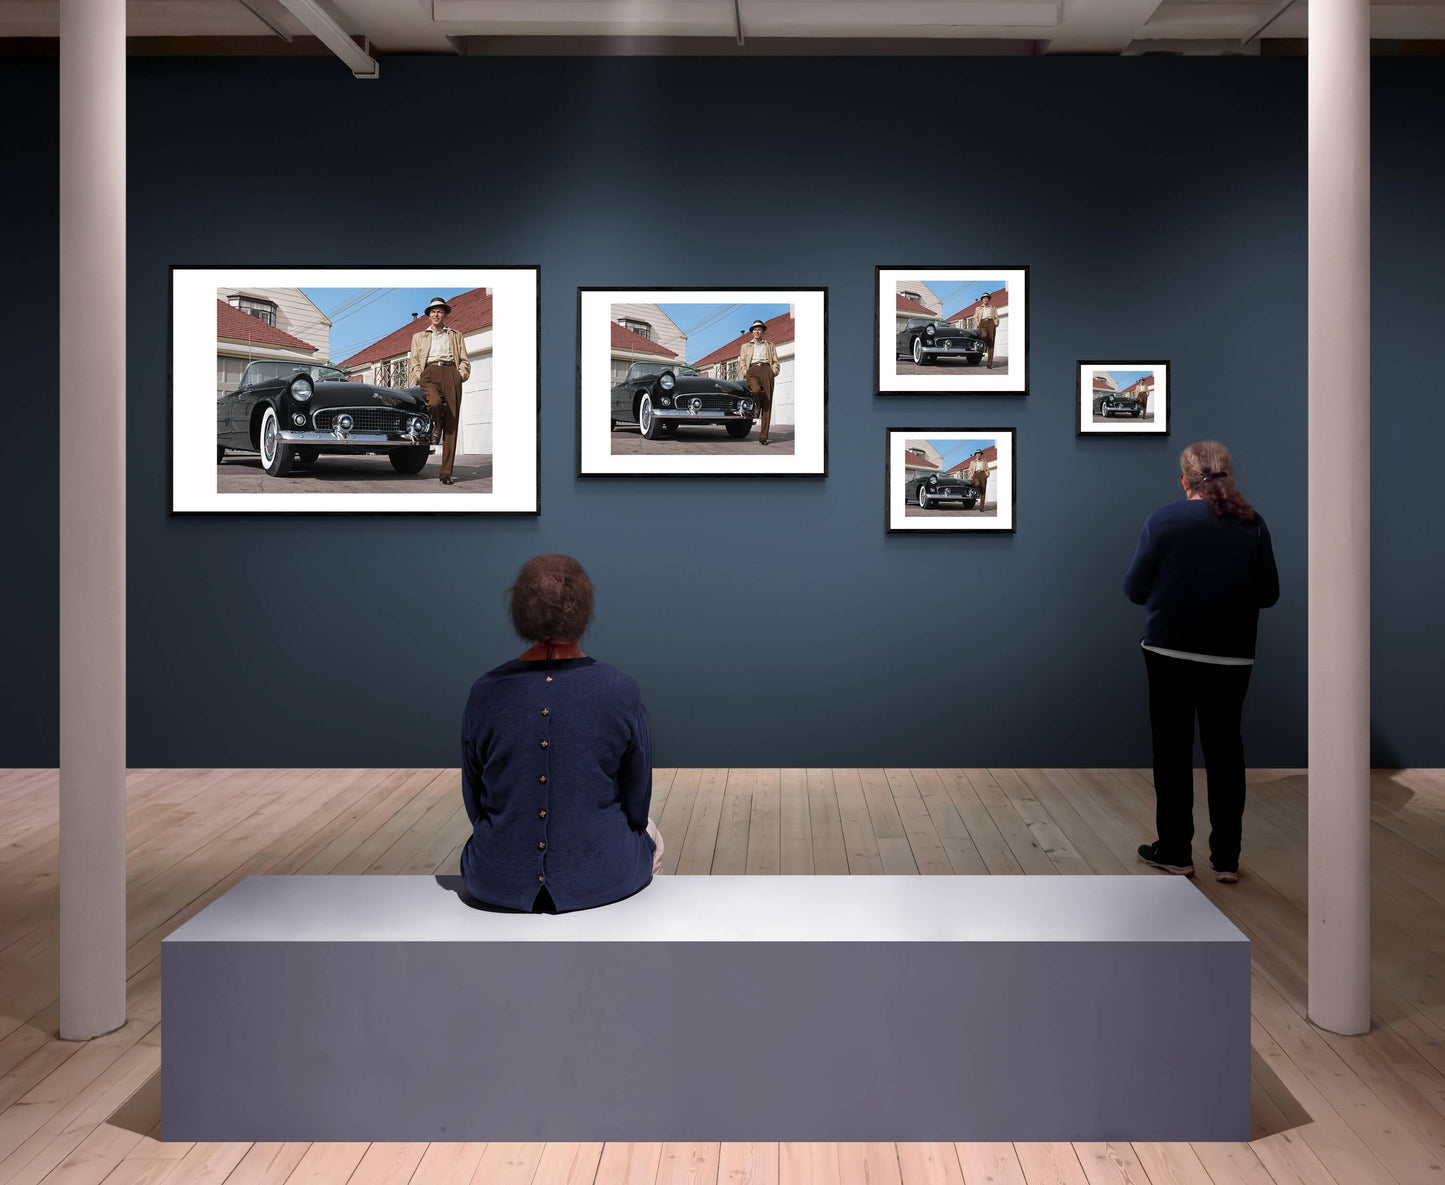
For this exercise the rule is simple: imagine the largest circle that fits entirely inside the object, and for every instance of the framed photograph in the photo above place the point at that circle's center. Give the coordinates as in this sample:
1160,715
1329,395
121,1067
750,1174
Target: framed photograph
379,390
702,382
952,330
950,479
1123,399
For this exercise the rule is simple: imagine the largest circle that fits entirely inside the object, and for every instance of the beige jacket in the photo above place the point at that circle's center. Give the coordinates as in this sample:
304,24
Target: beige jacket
421,347
977,467
763,351
986,312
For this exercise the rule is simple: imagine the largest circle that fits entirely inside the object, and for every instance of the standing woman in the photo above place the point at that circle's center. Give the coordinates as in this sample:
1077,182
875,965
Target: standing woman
1204,568
556,762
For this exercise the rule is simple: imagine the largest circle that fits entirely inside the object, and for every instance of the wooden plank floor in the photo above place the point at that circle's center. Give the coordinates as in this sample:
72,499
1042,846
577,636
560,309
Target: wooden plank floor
1326,1110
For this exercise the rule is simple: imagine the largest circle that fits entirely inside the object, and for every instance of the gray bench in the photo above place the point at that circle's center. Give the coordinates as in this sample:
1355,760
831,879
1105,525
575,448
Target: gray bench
710,1008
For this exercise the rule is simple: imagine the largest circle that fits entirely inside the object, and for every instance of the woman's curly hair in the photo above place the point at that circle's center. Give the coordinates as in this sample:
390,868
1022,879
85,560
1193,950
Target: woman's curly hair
551,599
1209,472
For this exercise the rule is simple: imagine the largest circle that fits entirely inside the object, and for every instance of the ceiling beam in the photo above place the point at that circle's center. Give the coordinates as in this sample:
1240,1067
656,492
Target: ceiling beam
320,18
1100,26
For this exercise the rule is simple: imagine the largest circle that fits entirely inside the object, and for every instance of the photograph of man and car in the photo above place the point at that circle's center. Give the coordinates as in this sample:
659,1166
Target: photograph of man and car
950,479
1123,397
345,389
951,331
686,380
701,381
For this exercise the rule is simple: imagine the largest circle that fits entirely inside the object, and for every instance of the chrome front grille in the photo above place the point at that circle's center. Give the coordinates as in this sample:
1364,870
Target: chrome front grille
365,419
710,402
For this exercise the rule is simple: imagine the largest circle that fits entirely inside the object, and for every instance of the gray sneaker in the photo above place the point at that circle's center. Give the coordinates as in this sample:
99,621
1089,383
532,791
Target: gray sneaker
1147,854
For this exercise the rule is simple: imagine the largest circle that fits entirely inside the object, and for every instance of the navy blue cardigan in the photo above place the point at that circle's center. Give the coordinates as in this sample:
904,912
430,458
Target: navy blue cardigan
556,778
1203,578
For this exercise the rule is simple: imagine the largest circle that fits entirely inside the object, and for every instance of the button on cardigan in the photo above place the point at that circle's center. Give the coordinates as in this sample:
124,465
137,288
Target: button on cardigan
557,780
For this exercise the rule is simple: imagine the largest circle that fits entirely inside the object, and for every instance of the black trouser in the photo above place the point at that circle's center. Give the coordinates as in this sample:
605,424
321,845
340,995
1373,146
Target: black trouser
1180,689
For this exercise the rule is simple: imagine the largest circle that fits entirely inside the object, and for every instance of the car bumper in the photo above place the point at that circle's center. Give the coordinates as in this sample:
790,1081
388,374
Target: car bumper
950,351
953,499
370,439
717,417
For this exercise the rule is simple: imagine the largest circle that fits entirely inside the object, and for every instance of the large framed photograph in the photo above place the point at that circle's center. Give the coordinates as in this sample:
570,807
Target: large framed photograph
702,382
342,390
1123,398
952,330
950,479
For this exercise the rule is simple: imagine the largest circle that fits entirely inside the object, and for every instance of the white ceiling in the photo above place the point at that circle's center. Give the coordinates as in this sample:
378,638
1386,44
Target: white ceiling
1063,26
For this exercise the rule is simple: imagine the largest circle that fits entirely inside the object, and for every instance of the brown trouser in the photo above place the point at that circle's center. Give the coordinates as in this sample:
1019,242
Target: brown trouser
442,386
760,383
988,329
981,481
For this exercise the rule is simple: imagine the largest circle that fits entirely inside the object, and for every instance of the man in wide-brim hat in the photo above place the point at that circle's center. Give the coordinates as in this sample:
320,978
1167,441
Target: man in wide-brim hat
986,317
758,364
439,365
978,474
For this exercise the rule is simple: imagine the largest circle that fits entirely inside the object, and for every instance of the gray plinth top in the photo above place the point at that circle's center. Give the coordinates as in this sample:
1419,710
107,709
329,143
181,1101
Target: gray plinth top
728,909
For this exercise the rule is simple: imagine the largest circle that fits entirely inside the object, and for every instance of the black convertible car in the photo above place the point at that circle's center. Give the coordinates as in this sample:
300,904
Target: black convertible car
657,397
1113,403
927,341
292,412
942,490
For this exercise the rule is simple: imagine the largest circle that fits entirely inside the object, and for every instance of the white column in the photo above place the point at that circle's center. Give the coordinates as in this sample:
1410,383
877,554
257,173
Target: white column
1339,515
92,517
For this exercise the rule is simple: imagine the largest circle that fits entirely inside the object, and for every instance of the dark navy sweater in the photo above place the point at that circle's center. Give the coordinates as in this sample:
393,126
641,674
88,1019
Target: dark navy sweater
556,778
1202,578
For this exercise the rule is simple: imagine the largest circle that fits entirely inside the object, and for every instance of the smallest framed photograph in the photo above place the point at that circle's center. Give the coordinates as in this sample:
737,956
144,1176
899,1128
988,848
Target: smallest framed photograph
1124,398
950,479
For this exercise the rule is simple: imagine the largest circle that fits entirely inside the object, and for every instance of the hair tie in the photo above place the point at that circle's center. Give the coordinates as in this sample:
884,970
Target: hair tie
1212,476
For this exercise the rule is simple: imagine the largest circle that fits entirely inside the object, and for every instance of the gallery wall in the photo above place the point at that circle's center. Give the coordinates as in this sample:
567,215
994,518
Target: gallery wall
1159,202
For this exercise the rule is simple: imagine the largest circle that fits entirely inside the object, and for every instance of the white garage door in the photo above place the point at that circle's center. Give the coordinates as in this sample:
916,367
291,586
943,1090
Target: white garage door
783,394
477,407
1000,341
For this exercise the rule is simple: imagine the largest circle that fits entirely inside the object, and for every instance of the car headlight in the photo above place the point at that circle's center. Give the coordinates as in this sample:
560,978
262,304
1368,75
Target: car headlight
929,331
667,382
301,388
933,480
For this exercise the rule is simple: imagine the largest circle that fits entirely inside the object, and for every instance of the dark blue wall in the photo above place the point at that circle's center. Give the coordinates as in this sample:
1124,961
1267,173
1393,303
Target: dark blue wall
1160,203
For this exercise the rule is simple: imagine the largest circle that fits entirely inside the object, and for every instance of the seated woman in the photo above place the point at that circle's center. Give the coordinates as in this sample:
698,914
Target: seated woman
556,762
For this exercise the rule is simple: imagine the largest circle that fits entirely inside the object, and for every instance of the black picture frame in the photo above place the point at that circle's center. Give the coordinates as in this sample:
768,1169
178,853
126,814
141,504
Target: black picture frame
582,290
1079,395
171,510
921,269
912,430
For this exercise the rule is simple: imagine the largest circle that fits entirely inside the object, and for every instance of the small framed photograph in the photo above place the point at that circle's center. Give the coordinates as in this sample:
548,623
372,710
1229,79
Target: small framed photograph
952,330
950,479
1123,398
341,390
702,382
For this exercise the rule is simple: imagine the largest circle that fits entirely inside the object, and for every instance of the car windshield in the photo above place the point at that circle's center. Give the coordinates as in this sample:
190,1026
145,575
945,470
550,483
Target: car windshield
267,372
649,370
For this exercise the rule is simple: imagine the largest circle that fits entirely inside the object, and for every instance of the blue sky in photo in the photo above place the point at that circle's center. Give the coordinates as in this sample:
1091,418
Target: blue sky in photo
959,294
954,451
360,316
709,326
1126,377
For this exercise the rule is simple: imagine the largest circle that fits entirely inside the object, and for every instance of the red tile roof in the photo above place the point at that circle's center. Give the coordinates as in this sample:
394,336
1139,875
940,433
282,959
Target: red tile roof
917,460
234,325
471,311
1103,381
624,339
780,329
989,454
912,306
1000,301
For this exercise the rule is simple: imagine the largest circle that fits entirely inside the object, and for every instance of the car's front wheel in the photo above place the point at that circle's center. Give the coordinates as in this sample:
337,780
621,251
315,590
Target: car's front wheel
1137,412
277,456
919,357
975,359
410,460
738,429
649,423
924,502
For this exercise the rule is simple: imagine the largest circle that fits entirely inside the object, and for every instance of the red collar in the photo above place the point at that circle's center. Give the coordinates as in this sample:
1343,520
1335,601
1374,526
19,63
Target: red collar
551,648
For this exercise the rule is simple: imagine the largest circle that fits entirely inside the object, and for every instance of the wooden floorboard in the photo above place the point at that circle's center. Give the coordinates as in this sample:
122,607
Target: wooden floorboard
1326,1110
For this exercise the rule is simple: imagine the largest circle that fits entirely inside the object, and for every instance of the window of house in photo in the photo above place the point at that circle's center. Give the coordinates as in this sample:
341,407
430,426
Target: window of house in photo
228,374
915,297
262,310
641,328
